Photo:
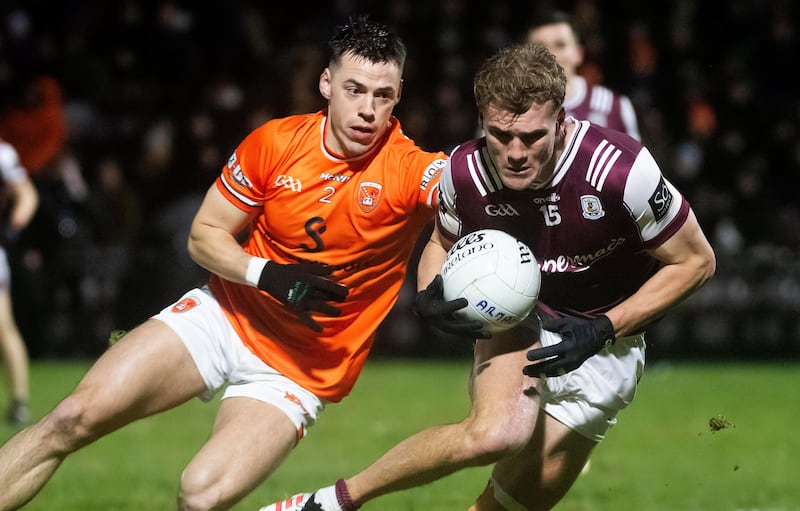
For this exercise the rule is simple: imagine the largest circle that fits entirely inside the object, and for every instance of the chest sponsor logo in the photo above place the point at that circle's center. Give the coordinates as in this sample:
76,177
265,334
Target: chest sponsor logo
289,183
579,262
369,194
661,200
501,209
591,207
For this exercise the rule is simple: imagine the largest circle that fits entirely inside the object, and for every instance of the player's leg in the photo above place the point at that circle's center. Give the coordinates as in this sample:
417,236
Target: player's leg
263,415
249,441
501,396
578,408
15,358
538,477
146,372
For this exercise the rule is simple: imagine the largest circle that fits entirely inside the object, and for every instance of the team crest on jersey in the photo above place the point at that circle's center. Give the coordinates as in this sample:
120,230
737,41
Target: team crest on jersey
185,305
592,207
369,193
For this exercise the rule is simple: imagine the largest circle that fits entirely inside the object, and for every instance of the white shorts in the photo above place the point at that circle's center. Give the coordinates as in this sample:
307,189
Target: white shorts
588,399
222,358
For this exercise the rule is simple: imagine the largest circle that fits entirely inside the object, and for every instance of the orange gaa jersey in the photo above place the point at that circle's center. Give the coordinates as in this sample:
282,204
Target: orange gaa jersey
362,216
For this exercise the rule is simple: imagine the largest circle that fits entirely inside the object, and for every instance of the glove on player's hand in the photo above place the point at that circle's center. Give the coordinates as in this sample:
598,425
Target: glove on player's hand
435,311
580,339
304,289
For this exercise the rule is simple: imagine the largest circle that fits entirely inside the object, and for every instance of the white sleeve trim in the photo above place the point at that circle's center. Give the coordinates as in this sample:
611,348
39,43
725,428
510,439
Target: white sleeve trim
646,187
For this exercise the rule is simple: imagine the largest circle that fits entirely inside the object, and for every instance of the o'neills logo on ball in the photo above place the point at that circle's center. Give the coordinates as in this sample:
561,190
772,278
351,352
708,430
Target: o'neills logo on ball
369,193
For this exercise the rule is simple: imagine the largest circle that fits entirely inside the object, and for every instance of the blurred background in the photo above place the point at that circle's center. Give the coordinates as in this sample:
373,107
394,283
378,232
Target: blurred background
127,111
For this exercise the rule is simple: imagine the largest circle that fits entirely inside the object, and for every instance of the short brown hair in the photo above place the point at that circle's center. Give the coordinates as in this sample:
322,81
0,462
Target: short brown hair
519,76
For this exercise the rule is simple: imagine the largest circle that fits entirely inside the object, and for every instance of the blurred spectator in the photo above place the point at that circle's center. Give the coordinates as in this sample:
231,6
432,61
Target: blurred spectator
35,124
583,100
18,202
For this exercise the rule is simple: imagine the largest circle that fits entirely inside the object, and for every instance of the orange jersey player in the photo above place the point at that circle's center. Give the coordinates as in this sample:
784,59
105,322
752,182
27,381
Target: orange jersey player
332,204
360,216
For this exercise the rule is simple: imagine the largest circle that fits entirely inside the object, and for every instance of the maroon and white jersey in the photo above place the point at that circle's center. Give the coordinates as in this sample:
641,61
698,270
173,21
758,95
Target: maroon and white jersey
11,171
588,227
602,106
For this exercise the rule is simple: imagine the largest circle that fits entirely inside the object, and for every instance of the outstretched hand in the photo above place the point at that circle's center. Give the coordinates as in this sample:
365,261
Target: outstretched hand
432,307
580,339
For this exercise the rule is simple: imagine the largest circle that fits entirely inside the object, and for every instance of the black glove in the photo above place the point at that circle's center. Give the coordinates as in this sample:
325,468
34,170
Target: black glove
432,308
303,288
580,339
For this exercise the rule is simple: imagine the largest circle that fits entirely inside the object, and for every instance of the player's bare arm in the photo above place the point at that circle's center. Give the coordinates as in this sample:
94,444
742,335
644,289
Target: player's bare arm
432,258
212,239
688,263
25,202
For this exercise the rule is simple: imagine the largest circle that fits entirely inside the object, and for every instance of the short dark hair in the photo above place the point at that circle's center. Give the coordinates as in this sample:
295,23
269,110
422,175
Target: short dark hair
544,17
367,39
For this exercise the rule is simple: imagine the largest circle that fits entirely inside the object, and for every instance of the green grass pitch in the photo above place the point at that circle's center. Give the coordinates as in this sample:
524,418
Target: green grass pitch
698,437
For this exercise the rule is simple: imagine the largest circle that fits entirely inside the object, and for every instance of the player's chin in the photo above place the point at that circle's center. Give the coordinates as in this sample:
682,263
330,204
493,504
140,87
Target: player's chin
516,180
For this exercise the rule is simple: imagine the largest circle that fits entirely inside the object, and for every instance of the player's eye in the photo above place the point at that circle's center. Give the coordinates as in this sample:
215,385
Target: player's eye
529,140
501,136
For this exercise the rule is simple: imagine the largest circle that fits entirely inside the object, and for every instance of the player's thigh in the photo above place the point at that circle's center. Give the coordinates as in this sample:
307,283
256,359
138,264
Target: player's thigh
250,439
147,371
6,310
498,387
542,473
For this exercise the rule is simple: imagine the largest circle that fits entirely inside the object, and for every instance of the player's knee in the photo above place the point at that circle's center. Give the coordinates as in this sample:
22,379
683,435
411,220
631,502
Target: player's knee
68,425
199,491
491,440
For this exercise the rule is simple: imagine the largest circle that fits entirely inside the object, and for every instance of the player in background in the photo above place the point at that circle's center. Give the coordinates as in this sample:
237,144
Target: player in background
18,202
618,247
595,103
332,203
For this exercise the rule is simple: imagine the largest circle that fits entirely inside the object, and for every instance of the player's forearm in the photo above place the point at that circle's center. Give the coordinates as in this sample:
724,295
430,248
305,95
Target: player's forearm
668,288
217,251
430,262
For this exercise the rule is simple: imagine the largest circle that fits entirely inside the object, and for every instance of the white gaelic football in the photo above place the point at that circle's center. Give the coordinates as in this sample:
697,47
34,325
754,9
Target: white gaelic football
496,273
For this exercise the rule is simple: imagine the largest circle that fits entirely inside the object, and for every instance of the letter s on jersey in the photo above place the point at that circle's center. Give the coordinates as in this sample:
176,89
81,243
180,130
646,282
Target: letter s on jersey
314,228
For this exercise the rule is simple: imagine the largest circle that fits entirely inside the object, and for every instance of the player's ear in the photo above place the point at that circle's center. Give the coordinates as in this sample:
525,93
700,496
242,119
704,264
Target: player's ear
560,120
325,83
